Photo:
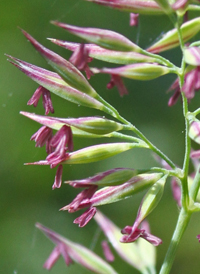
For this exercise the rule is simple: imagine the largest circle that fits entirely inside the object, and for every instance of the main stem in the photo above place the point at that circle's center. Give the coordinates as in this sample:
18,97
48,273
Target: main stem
185,197
181,225
185,214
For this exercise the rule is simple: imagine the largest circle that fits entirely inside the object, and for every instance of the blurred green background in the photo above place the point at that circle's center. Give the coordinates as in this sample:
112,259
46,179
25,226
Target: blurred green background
26,196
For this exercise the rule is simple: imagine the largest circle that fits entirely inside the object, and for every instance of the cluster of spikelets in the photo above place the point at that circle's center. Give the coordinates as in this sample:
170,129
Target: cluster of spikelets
112,185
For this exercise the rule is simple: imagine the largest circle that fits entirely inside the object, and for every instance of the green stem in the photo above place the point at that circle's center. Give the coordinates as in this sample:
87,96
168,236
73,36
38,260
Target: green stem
154,148
196,112
181,225
116,114
162,60
195,44
187,154
150,145
110,109
184,215
124,137
184,189
172,173
177,26
195,185
181,42
139,134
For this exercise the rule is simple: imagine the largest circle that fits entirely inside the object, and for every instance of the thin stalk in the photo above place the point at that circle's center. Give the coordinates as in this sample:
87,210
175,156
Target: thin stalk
124,137
162,60
196,112
195,185
138,132
177,26
111,110
182,223
150,145
195,44
187,154
184,189
172,173
181,42
154,148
